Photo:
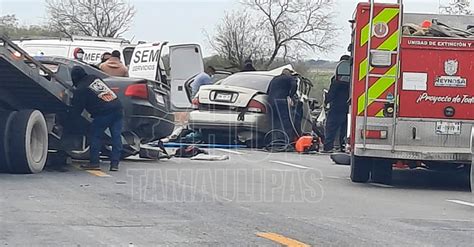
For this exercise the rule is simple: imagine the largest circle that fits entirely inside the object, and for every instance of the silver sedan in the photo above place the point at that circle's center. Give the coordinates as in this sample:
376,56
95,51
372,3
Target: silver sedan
237,108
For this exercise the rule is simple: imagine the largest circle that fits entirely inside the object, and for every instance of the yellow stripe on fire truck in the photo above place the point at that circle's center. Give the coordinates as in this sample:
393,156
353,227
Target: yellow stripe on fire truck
377,89
389,44
386,15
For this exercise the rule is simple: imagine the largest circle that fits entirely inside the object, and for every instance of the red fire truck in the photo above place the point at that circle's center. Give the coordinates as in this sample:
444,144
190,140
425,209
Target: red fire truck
412,97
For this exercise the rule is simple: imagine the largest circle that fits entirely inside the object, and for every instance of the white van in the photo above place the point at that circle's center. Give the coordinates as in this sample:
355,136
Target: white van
93,47
175,64
172,64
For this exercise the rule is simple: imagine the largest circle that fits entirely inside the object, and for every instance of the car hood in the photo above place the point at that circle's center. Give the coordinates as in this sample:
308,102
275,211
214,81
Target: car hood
240,96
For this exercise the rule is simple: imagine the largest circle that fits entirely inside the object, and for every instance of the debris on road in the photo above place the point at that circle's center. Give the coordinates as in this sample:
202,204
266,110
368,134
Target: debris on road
341,158
208,157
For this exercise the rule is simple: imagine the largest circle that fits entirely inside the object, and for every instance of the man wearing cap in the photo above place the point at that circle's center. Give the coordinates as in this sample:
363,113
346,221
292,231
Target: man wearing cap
101,102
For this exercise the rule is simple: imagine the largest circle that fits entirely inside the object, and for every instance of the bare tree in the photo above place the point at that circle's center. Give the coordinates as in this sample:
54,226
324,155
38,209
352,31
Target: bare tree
457,7
295,27
237,39
102,18
8,21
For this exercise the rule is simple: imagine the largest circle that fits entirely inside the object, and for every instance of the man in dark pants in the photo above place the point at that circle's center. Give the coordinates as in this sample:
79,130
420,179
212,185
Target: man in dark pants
102,103
280,89
337,99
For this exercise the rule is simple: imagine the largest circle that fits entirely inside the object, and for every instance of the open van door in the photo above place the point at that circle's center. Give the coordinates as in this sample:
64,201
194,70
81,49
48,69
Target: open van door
144,61
185,62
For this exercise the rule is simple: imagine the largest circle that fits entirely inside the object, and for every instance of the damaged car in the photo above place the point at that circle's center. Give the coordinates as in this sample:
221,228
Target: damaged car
237,109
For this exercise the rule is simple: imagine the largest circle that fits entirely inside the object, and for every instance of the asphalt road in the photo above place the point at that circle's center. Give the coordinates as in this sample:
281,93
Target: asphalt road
254,198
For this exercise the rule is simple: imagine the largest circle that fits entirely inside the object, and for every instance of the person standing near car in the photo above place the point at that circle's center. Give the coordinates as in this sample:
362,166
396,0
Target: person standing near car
79,54
280,89
113,66
248,66
106,56
203,78
92,94
337,99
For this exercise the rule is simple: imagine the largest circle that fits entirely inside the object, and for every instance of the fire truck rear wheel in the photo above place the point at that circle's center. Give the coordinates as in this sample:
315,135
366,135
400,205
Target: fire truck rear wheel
360,169
382,172
28,142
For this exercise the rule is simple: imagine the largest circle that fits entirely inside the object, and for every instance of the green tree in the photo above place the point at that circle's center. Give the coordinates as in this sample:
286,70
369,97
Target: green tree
9,26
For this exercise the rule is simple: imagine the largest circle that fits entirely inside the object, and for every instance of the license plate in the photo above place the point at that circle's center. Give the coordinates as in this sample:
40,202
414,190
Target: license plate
223,97
448,128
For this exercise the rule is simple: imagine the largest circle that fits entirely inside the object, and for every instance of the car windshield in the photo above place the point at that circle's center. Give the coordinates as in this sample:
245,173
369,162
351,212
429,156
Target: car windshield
252,81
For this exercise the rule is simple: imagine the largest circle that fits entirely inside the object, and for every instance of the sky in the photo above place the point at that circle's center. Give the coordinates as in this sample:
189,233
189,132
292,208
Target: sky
181,21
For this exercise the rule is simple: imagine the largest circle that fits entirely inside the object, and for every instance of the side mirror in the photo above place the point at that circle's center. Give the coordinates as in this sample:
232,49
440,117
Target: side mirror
343,71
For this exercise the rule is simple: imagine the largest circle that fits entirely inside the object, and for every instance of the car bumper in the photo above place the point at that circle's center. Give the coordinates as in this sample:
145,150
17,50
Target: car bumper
457,155
226,121
147,121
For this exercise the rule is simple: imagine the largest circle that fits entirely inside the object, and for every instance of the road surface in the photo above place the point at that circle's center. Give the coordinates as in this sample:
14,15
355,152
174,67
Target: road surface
254,198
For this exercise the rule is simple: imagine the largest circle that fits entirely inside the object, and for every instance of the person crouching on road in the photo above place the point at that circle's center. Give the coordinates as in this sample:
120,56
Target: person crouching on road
113,66
101,102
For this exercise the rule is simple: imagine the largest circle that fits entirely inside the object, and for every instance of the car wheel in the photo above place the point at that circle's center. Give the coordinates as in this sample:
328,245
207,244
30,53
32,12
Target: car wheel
360,169
28,142
382,171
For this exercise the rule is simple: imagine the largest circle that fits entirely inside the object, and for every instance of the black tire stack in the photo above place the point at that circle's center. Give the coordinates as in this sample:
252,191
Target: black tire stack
23,141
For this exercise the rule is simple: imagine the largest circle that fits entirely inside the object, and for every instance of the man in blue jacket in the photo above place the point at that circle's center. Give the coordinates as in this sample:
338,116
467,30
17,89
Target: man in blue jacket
102,103
337,98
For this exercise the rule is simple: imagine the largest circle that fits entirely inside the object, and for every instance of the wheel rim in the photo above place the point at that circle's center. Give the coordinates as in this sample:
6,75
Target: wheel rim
37,143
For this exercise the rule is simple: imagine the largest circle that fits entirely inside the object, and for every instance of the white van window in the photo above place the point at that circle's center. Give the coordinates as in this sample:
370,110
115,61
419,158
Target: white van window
127,55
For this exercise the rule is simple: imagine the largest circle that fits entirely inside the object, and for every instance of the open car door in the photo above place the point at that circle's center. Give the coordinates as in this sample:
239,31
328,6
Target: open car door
185,62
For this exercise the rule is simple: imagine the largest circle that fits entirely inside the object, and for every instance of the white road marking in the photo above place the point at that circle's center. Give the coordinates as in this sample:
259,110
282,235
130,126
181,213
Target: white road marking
382,185
230,151
289,164
462,202
334,177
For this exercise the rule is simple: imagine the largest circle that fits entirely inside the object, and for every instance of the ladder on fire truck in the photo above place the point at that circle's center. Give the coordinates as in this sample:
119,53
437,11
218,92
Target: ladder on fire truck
370,75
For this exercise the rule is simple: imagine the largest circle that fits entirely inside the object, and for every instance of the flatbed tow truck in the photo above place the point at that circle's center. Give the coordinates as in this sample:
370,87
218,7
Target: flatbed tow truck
35,123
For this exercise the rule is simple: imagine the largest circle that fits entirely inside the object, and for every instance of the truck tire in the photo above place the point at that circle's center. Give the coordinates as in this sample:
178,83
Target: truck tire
472,176
28,142
360,169
382,172
5,121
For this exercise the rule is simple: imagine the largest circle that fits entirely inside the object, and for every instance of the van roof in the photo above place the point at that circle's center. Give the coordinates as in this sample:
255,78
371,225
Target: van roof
84,39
